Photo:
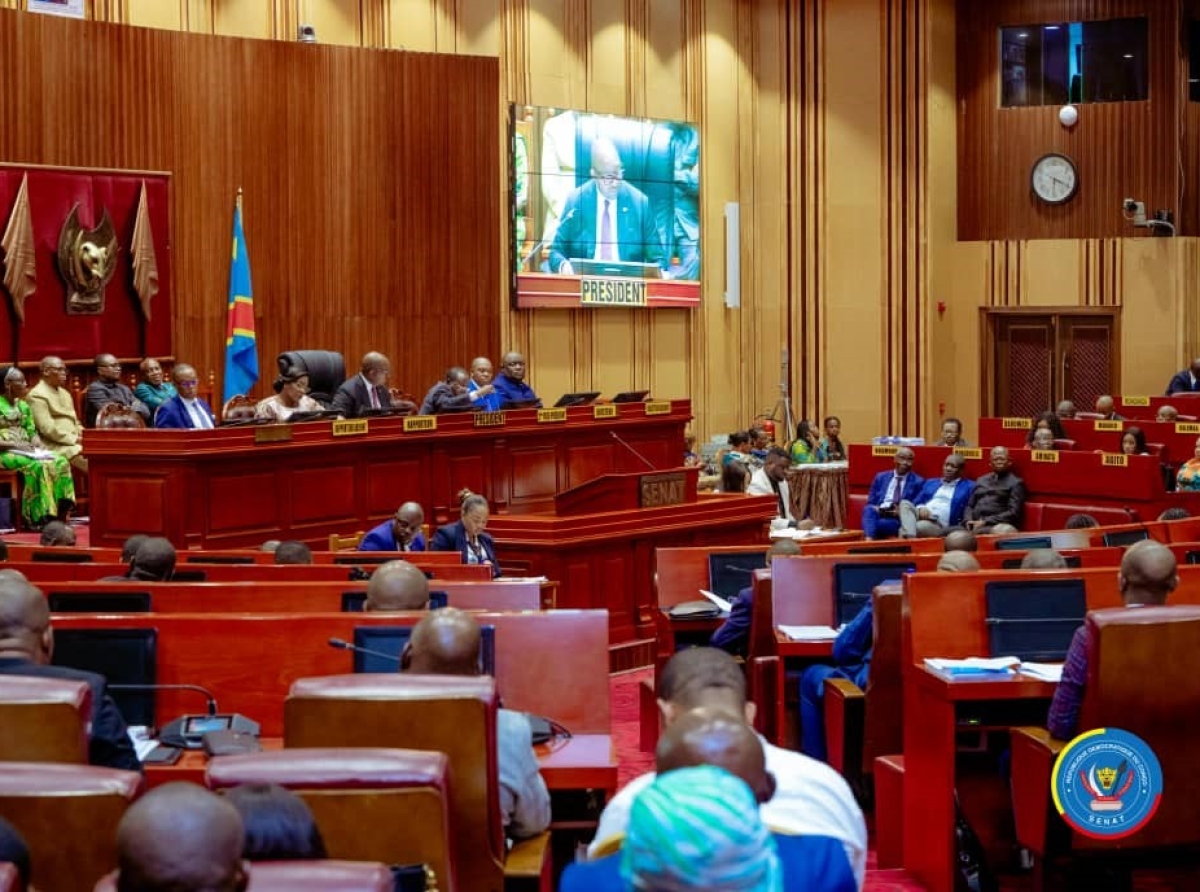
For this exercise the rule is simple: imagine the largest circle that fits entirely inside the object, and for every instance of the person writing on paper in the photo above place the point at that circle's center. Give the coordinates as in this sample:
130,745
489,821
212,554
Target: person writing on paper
606,218
771,480
48,490
733,635
1147,577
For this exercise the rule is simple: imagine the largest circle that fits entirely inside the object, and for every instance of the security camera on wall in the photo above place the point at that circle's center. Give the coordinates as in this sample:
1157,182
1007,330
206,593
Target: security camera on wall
306,34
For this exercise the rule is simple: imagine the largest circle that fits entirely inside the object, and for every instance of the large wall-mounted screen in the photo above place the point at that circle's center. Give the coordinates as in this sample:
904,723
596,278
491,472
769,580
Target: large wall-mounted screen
605,210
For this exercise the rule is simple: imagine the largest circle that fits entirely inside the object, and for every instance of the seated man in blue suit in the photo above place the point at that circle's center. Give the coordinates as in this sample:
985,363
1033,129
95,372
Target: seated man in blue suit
185,409
401,532
881,516
940,503
698,825
733,635
606,218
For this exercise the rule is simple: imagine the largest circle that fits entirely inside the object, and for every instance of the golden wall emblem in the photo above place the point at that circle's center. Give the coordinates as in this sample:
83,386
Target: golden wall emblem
87,259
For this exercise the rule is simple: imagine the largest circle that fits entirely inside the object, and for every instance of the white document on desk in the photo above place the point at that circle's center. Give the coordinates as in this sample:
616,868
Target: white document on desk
809,633
974,665
722,605
1045,671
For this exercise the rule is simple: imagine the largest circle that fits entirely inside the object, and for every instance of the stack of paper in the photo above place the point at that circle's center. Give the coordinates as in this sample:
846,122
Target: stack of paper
722,605
809,633
1045,671
974,666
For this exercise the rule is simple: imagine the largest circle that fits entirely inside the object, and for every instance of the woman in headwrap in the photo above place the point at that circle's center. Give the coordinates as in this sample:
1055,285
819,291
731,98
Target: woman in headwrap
48,492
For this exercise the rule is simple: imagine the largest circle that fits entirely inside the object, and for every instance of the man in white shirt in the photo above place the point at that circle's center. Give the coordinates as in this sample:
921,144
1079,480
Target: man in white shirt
771,480
185,409
810,797
940,503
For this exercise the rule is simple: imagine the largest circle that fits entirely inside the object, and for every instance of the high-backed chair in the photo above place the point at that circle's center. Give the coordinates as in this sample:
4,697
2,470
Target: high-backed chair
862,724
347,542
326,371
44,719
453,715
304,876
372,804
1141,678
115,415
238,407
68,815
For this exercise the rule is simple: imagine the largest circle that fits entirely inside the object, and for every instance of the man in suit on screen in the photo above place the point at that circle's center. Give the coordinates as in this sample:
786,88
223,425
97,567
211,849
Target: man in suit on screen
606,218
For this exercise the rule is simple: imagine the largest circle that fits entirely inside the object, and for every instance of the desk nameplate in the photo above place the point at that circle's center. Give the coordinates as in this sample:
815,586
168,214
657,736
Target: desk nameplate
661,490
1114,460
1045,455
657,407
551,416
351,427
969,451
420,423
1016,424
273,433
489,419
607,410
1135,400
1108,424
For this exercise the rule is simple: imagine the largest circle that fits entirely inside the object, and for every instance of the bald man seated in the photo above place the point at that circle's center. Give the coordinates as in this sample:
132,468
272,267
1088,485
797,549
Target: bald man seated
181,838
400,532
26,648
811,799
447,643
366,390
397,585
1147,577
510,385
712,737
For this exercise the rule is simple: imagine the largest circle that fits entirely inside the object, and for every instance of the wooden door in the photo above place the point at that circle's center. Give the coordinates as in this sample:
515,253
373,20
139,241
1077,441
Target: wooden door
1033,360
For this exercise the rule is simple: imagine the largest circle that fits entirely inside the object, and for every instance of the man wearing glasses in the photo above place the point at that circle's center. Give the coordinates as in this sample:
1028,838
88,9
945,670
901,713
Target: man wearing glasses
109,389
54,413
606,218
186,409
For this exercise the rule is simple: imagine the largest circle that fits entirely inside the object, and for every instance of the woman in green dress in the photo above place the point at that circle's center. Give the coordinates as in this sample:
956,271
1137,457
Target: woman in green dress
48,490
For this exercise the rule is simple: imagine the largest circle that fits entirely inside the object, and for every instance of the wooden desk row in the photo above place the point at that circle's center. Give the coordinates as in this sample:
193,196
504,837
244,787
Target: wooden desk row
41,572
20,551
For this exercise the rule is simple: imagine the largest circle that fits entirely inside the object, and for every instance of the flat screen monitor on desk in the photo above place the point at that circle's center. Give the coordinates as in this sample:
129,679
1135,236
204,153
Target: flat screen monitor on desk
625,269
1023,543
731,571
352,602
1074,561
388,642
576,399
853,584
61,556
122,656
1125,537
99,602
1033,619
631,396
512,405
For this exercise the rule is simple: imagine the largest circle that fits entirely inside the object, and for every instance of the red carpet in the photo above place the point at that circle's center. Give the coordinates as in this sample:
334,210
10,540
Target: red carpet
632,762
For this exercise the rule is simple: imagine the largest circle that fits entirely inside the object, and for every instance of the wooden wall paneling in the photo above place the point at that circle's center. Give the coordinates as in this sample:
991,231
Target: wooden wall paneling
322,236
1122,149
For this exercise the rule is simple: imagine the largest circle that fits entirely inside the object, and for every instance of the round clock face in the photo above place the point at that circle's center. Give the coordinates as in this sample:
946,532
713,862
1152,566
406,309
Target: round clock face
1054,178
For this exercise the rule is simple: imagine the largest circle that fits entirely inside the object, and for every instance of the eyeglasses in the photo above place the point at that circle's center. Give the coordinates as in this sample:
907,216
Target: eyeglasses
188,383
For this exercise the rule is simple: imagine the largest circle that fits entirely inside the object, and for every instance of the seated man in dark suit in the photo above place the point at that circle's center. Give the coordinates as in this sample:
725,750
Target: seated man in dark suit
940,503
402,532
368,389
449,395
1186,381
998,497
185,409
397,585
26,646
881,516
510,383
447,643
606,218
109,389
734,634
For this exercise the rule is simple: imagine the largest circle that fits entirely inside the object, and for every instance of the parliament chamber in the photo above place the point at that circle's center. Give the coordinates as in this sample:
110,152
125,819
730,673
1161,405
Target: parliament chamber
880,244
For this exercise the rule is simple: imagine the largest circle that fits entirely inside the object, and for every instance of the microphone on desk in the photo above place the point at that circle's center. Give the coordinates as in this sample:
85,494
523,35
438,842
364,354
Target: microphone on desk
735,568
212,701
346,645
649,464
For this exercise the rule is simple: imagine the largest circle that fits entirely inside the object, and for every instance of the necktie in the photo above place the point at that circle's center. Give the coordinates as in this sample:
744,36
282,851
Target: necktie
894,492
779,498
606,233
374,396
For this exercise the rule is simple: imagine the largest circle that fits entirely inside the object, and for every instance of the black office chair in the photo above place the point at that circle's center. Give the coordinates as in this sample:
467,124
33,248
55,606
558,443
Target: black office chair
326,371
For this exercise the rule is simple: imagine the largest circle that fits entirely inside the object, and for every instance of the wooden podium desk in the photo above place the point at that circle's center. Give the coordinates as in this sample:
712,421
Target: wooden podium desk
237,486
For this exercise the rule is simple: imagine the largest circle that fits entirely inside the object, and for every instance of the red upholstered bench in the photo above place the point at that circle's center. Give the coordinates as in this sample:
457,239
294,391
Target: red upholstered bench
1054,515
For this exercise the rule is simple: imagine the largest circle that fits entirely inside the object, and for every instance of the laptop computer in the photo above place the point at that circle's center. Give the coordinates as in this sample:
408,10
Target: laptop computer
631,396
519,404
576,399
627,269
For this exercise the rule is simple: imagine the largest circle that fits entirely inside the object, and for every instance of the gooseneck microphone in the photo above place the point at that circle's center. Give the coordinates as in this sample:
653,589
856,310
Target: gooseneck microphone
649,464
212,701
346,645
